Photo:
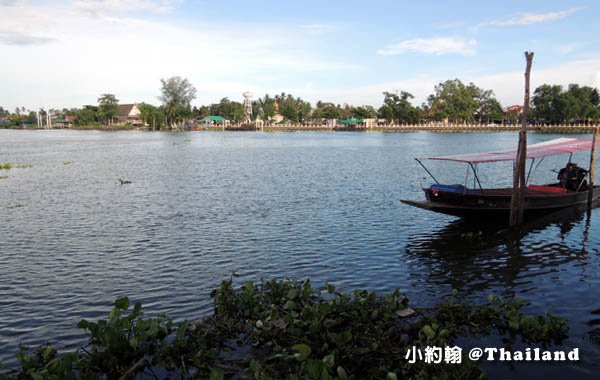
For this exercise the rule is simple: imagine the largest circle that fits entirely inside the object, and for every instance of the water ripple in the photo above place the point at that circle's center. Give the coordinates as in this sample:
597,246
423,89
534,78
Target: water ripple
322,206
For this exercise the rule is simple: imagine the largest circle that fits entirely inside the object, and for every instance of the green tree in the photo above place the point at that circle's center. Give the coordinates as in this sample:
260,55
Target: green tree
304,110
31,118
397,106
567,107
201,111
267,107
152,116
488,108
108,108
176,96
587,101
552,104
363,112
454,100
288,109
293,109
326,111
546,103
228,109
86,116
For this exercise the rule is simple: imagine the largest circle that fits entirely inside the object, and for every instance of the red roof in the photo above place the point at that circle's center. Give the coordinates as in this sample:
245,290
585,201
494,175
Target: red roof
515,108
543,149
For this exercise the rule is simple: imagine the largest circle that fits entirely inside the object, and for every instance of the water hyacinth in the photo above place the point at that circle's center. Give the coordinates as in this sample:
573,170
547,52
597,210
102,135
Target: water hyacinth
286,330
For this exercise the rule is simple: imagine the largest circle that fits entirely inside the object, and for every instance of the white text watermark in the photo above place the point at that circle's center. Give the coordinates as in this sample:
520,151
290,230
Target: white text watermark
453,355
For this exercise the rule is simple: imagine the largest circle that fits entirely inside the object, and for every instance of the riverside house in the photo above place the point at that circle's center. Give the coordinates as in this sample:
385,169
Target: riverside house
130,114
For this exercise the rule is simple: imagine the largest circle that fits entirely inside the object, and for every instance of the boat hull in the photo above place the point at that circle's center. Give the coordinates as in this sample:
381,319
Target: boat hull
495,203
242,128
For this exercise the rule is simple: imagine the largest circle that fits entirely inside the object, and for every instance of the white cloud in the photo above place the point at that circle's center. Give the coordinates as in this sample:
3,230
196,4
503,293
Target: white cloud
372,94
9,3
508,86
566,48
63,56
106,7
448,25
126,55
22,39
437,46
533,18
316,28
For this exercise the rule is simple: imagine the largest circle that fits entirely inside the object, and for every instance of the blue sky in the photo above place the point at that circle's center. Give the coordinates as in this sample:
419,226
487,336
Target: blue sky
66,53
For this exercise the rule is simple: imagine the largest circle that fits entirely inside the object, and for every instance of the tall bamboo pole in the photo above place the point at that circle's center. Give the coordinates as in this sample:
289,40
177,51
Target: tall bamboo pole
518,195
592,170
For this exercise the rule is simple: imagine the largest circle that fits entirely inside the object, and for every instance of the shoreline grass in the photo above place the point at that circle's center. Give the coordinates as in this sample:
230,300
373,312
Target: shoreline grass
114,127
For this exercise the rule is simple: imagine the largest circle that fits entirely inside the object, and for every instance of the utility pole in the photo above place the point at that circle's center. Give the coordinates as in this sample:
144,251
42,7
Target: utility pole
519,186
592,170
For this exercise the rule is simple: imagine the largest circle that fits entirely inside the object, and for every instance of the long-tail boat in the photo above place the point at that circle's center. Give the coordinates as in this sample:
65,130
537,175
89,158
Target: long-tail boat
480,202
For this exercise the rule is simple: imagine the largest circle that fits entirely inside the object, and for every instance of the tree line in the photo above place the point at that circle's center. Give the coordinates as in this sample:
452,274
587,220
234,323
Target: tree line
452,101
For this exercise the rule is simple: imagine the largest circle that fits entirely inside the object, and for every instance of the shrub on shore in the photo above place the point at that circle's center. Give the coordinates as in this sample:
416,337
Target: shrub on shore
98,126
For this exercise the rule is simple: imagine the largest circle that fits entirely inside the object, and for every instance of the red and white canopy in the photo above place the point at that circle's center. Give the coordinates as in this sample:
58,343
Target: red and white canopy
543,149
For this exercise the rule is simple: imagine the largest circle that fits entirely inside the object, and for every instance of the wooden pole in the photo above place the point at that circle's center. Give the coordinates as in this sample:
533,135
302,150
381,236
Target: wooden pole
592,170
518,195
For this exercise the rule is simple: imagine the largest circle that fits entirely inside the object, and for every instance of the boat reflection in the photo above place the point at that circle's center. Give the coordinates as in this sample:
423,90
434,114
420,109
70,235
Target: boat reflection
475,257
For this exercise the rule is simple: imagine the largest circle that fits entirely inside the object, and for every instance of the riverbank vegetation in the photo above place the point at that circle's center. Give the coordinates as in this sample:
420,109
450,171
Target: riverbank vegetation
289,330
102,127
451,102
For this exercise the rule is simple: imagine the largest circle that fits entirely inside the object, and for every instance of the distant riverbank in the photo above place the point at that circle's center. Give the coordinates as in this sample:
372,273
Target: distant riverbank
576,129
441,127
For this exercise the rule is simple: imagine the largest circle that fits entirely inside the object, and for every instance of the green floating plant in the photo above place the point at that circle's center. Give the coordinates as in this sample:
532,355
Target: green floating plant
287,330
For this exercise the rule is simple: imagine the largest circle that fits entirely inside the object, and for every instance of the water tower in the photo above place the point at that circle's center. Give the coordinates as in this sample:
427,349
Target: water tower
248,105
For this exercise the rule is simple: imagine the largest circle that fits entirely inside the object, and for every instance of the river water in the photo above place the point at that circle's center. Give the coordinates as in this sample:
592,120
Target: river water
324,206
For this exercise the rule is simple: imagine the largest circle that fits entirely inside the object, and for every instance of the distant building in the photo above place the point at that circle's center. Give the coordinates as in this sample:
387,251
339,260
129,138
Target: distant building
370,123
130,114
513,114
211,121
70,121
277,118
59,123
514,109
67,122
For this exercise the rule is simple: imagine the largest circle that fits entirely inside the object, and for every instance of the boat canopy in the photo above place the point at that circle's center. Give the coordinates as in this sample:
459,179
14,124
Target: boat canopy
543,149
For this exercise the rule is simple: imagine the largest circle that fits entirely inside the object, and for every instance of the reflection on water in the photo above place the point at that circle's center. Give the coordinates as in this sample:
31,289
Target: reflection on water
487,258
319,205
475,256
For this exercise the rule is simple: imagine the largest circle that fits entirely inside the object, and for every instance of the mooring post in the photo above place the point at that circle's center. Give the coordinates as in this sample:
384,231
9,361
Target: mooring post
592,170
518,195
